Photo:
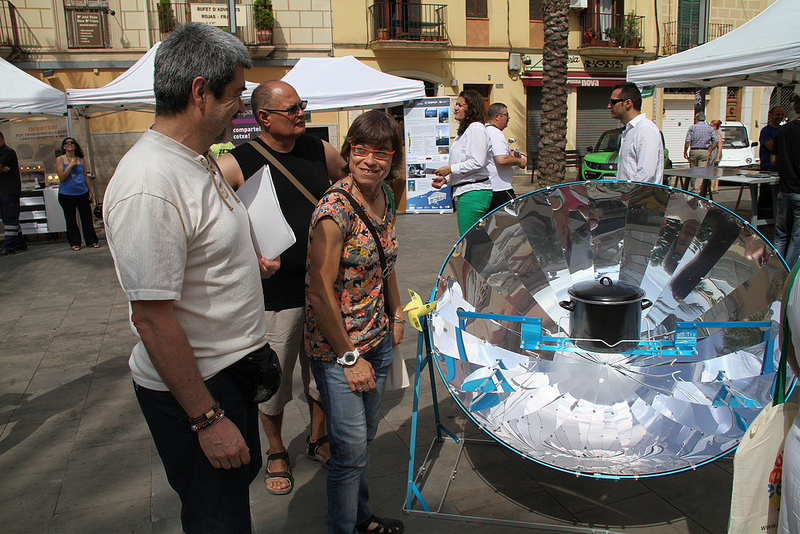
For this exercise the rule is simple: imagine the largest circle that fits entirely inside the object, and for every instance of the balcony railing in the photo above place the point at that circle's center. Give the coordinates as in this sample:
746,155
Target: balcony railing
607,30
680,36
182,12
9,31
408,22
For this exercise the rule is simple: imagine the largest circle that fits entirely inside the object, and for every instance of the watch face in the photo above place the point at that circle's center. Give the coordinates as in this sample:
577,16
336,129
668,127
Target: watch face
349,358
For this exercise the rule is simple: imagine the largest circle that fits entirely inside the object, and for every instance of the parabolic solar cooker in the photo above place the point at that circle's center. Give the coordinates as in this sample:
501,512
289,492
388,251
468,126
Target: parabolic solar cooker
611,328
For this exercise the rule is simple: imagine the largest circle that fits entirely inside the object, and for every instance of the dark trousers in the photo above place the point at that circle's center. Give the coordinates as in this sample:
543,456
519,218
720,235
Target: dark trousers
501,197
9,210
212,500
71,203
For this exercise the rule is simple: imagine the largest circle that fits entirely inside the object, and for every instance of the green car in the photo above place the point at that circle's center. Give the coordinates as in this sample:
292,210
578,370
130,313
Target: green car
600,161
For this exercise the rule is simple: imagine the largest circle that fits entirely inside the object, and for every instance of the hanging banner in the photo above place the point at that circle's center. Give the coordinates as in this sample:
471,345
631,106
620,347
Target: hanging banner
427,136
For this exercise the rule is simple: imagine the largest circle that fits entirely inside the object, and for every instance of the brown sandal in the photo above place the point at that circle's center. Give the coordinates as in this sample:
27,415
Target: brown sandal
283,455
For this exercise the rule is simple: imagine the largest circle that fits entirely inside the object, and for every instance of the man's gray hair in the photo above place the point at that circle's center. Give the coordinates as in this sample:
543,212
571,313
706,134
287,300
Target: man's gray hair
700,116
193,50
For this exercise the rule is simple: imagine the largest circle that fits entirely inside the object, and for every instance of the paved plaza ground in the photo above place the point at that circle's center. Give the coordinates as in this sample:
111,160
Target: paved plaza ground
76,455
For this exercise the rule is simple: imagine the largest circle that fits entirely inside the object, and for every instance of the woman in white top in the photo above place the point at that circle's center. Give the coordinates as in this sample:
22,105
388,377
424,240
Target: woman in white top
467,173
789,522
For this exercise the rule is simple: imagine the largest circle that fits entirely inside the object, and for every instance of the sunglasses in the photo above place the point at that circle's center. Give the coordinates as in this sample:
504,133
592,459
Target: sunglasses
291,110
69,143
615,101
363,152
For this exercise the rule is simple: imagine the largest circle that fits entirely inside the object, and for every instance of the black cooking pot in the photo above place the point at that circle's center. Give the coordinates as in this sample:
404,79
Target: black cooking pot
608,311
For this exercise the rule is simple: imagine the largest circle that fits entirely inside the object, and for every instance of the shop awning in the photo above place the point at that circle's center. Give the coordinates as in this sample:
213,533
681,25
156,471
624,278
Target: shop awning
576,79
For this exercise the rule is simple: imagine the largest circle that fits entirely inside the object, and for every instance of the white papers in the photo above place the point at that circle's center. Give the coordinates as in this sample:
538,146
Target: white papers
270,231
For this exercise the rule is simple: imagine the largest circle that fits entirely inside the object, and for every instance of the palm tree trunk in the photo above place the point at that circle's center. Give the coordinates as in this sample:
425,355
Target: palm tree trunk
553,134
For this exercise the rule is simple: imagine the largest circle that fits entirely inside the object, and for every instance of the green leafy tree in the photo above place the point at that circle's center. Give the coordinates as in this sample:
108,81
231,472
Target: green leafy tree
166,16
263,18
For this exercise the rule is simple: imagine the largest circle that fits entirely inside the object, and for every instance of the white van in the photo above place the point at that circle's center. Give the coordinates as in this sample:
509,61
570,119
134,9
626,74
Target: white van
737,150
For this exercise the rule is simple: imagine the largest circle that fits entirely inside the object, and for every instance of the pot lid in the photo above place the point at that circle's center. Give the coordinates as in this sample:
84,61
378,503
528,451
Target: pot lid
606,290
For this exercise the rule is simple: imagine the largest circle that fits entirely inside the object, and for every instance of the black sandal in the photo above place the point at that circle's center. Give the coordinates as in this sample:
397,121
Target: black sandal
283,455
382,525
313,450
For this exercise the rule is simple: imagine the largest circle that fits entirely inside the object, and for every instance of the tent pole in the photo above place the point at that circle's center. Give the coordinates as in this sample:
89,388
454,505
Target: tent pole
69,122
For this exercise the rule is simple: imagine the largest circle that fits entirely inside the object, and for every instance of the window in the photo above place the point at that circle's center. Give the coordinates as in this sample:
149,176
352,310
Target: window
535,7
476,9
87,27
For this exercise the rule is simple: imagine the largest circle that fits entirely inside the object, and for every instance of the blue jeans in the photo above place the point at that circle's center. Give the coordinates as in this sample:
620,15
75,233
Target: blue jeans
212,500
787,226
352,422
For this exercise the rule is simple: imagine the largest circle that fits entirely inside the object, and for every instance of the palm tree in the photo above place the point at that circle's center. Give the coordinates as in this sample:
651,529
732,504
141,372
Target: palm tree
553,133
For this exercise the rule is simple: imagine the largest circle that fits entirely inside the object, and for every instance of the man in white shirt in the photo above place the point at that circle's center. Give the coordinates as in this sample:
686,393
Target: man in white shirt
502,161
180,239
641,154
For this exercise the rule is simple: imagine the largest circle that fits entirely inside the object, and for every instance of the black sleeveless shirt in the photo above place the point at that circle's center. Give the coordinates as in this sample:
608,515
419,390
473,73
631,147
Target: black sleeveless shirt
286,288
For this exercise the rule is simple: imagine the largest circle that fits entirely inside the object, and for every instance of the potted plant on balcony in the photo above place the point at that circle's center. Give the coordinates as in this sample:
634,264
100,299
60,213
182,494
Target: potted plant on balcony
630,31
614,34
264,20
589,37
166,17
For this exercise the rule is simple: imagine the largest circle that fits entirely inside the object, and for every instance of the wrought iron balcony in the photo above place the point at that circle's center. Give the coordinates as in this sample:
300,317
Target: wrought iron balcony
680,36
163,20
607,30
392,21
10,42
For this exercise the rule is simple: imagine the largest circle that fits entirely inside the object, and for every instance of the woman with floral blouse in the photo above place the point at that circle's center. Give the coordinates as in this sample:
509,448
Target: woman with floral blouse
349,334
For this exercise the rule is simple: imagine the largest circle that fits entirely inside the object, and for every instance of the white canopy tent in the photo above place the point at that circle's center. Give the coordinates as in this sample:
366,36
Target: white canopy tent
131,90
764,51
21,94
339,83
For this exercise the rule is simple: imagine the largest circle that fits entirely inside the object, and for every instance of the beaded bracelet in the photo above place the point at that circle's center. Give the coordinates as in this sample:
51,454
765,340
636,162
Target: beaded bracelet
211,421
204,416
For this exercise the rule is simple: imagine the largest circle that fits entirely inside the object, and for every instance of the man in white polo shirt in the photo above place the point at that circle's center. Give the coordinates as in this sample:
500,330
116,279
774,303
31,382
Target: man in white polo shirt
501,164
180,239
641,153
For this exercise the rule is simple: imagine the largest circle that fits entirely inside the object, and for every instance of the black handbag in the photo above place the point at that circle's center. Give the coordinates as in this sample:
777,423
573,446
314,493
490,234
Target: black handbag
258,375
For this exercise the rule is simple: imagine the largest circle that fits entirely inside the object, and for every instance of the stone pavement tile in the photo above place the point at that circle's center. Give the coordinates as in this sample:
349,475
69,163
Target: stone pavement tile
112,382
26,342
104,423
124,517
646,513
166,526
36,448
703,494
40,323
110,475
29,503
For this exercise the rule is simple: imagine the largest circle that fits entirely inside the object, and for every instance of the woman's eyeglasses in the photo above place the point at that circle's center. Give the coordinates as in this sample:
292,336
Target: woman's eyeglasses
69,143
291,110
363,152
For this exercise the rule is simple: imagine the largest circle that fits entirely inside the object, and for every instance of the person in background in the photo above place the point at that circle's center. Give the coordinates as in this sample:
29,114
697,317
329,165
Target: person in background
313,162
75,194
715,156
502,161
786,154
767,136
10,190
468,170
181,244
641,153
354,314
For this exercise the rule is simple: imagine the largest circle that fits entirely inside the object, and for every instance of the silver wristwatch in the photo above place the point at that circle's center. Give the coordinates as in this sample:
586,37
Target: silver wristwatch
348,359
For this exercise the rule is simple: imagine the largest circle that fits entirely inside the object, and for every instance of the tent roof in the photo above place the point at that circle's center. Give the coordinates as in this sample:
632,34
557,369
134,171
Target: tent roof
23,94
133,89
763,51
345,83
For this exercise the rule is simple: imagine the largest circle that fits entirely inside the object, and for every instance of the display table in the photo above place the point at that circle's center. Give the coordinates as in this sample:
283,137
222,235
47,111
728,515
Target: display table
744,177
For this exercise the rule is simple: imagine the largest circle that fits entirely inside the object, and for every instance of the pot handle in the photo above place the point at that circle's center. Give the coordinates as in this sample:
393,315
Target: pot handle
606,281
646,303
567,305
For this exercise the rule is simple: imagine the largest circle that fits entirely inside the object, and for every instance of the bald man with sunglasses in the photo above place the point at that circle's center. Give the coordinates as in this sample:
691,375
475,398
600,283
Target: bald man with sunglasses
315,164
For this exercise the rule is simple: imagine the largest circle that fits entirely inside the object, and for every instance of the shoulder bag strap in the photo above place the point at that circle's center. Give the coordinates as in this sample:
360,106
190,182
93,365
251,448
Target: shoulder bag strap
364,217
780,379
264,152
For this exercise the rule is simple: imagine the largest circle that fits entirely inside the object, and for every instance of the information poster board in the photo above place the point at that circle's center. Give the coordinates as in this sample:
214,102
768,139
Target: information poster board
427,137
